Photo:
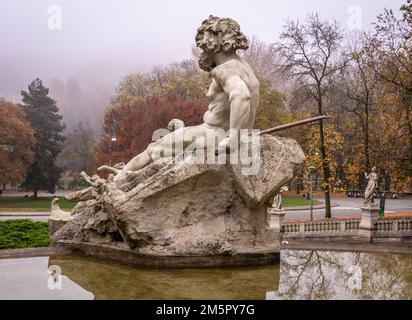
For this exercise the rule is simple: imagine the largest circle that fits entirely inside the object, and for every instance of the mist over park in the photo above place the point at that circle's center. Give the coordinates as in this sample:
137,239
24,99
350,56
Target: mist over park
120,71
101,42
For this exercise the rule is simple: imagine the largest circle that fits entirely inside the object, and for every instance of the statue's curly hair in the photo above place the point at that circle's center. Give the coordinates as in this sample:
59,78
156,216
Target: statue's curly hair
230,36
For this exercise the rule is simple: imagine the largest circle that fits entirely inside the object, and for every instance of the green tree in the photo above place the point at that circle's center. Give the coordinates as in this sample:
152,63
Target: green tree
42,114
272,107
78,152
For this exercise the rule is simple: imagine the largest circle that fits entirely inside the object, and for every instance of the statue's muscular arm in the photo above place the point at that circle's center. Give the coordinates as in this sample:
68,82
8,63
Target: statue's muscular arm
239,96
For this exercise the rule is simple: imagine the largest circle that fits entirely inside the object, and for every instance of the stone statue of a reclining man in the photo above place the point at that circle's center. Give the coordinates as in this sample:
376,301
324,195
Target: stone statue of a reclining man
160,205
233,93
233,97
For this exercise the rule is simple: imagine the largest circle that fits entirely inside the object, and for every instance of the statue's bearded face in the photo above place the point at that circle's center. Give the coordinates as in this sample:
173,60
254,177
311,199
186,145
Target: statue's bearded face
206,62
209,43
217,35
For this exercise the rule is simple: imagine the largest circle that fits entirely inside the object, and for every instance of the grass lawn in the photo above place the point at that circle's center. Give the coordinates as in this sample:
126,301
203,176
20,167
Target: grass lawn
21,204
28,204
298,202
16,234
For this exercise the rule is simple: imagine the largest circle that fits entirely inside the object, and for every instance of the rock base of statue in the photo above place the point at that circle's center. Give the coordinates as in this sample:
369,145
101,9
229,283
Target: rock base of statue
122,253
370,215
184,209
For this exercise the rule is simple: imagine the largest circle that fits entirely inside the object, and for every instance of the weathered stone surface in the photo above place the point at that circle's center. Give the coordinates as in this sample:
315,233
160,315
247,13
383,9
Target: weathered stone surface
58,218
189,209
280,160
87,223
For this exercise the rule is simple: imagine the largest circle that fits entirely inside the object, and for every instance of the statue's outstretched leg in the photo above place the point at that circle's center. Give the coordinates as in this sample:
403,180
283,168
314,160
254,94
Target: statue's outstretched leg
109,170
139,162
112,170
169,146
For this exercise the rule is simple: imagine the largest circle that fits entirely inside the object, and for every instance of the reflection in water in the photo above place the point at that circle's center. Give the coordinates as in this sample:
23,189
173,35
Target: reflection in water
344,275
29,279
301,275
108,280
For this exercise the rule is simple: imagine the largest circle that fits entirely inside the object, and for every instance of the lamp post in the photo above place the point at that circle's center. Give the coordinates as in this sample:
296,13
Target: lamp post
112,139
311,169
383,195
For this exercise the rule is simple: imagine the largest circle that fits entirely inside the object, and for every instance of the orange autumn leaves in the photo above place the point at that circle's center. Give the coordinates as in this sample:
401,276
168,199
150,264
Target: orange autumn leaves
16,143
137,119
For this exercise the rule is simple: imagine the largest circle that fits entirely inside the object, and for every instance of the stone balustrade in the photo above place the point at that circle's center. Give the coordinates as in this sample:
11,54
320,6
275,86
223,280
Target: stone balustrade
321,227
367,229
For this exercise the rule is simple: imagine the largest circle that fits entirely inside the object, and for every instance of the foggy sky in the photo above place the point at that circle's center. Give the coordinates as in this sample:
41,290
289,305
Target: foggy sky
102,40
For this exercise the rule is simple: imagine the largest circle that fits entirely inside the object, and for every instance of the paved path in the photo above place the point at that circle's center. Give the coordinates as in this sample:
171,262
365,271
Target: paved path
35,216
43,219
347,207
25,214
307,208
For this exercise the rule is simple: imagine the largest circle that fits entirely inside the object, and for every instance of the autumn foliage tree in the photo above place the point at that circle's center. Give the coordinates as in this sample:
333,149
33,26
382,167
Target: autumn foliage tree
391,49
374,97
137,119
16,143
334,143
184,80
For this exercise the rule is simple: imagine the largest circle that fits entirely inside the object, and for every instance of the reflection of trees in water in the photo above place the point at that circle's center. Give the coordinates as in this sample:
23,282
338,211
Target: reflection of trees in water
332,275
110,280
386,277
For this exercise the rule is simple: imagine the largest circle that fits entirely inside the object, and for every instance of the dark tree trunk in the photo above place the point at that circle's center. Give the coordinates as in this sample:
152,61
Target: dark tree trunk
366,137
325,164
409,124
35,194
326,172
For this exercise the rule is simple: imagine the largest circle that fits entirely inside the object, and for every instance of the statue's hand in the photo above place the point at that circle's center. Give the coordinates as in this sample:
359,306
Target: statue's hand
225,144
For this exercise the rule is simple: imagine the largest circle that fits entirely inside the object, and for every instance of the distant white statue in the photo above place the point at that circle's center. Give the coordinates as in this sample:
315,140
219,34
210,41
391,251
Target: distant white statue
371,186
277,200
